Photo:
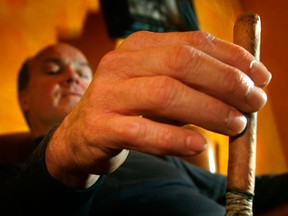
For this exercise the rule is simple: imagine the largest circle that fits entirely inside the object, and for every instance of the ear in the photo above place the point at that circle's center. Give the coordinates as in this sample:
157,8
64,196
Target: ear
24,100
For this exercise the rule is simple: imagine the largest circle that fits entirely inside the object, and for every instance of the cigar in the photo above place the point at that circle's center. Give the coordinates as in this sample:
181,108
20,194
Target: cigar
242,148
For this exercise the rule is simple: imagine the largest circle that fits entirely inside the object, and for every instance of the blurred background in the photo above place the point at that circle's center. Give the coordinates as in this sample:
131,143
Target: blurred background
97,27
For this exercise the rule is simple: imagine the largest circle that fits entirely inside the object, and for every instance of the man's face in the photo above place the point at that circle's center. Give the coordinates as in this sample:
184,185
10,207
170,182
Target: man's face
59,76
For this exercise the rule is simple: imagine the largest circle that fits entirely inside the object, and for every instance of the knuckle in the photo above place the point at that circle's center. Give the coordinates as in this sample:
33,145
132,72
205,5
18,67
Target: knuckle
180,59
164,137
202,37
213,115
236,82
132,132
164,91
208,111
138,35
202,40
108,58
136,38
110,62
232,80
240,55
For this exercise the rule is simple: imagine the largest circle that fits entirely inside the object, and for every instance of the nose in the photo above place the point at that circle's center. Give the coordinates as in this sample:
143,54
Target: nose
71,75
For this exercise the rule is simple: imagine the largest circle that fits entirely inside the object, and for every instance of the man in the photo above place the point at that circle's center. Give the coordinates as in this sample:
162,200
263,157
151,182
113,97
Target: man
104,154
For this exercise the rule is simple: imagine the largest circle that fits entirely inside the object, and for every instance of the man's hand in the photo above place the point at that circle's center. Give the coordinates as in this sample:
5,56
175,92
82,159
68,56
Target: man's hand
188,77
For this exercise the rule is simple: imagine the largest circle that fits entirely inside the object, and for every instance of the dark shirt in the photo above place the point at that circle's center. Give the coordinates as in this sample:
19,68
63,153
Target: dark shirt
144,185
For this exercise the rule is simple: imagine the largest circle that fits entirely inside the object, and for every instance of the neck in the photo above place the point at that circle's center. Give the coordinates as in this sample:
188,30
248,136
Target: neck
40,130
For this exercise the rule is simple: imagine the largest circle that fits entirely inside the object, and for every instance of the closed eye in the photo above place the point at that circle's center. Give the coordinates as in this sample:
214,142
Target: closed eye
53,68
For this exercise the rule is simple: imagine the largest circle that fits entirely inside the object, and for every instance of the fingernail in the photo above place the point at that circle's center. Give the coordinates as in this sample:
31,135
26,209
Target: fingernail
236,122
257,98
259,74
196,142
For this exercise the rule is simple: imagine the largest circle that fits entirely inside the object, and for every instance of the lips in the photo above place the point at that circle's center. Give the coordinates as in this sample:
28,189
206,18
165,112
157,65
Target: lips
71,93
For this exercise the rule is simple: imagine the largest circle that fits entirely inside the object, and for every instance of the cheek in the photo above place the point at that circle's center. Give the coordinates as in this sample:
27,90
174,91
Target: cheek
84,86
44,95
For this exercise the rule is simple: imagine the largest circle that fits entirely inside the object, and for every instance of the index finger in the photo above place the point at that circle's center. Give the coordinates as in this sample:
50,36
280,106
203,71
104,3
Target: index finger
224,51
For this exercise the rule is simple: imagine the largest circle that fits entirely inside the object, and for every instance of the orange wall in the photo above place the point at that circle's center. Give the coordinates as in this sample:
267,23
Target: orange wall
217,17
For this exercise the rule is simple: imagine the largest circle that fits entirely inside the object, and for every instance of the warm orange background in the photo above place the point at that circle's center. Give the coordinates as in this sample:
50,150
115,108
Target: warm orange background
28,25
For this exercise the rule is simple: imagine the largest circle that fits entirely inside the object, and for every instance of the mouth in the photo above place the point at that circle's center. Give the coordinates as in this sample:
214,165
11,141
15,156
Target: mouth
68,94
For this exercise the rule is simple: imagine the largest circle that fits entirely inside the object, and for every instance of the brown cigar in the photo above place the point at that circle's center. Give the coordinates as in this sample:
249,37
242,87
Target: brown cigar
242,148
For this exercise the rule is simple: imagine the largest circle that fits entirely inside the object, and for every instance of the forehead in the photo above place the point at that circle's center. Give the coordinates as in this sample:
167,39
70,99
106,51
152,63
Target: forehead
64,52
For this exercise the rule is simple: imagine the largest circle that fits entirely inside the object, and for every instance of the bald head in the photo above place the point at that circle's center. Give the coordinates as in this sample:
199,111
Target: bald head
50,50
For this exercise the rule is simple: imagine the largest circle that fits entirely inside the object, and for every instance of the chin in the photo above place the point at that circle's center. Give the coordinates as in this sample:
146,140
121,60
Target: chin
70,101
